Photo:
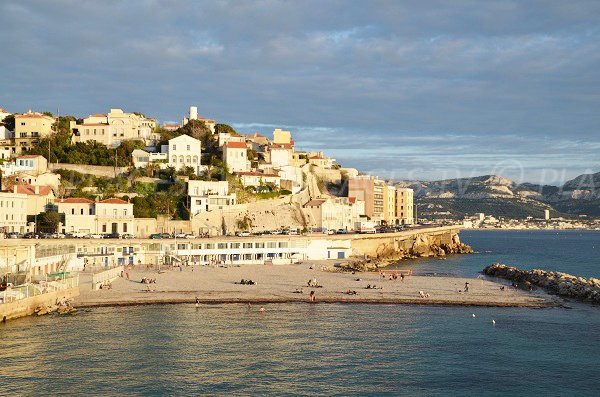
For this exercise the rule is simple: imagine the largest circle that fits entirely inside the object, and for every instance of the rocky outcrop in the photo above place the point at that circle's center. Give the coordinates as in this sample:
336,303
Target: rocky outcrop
421,246
584,289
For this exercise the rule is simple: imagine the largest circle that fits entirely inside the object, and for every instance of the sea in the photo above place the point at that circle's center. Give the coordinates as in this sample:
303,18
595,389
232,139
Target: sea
327,349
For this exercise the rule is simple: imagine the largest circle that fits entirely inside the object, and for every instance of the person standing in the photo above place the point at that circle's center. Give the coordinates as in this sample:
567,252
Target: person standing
312,296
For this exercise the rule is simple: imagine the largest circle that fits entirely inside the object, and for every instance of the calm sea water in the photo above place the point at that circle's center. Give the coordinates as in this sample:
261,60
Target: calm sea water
343,350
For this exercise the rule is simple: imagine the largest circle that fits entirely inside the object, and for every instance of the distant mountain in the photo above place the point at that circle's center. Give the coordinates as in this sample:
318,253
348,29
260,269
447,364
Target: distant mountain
501,196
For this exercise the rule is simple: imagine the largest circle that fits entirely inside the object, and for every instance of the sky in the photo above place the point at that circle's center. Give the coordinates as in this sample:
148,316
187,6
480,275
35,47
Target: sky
405,90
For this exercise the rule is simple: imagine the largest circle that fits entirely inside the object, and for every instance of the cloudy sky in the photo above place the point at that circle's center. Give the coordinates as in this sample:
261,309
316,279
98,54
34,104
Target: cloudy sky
419,90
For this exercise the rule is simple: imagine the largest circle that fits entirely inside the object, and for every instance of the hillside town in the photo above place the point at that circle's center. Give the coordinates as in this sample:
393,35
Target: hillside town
124,175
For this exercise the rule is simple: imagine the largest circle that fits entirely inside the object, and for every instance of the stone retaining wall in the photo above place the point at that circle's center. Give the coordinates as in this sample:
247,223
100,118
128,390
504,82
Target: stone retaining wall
27,306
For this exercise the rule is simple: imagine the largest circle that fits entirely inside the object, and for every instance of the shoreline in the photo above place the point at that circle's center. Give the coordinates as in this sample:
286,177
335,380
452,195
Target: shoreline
409,302
287,284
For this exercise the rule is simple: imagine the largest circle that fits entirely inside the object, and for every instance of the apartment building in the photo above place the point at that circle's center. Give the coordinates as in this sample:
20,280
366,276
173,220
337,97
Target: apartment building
30,127
184,151
405,206
389,204
207,196
115,127
334,213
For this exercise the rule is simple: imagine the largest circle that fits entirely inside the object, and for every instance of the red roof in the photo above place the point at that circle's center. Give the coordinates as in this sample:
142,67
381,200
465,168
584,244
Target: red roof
4,110
282,146
236,145
97,115
256,135
74,200
30,190
352,199
33,115
316,158
94,124
114,201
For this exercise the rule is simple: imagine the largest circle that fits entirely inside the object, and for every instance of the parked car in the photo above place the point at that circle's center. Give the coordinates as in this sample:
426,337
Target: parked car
242,234
342,231
58,235
112,235
180,235
94,235
127,235
13,234
156,235
30,235
190,236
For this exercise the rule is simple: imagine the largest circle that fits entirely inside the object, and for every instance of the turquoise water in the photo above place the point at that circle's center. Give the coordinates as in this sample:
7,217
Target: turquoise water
323,349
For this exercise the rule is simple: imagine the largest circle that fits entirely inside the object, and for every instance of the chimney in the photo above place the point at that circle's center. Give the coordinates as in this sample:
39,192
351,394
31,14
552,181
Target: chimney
36,189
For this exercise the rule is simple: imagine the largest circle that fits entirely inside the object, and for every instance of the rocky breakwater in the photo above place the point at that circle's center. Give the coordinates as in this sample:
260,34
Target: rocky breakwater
584,289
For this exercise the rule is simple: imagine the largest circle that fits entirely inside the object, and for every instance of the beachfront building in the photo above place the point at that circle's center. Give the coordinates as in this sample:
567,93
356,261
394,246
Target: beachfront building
259,179
78,214
334,213
205,196
389,204
30,127
235,155
405,206
13,212
184,151
114,215
115,127
370,190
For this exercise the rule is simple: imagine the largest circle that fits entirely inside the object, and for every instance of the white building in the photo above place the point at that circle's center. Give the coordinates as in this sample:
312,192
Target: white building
333,213
258,179
79,215
280,154
207,196
114,215
235,155
193,115
13,212
185,151
29,163
142,158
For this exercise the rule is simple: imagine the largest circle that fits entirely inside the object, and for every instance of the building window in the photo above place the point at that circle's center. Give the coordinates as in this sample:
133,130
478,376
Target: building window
124,227
104,228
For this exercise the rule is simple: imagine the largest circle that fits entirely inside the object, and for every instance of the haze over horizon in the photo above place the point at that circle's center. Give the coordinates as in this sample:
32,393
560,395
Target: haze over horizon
431,90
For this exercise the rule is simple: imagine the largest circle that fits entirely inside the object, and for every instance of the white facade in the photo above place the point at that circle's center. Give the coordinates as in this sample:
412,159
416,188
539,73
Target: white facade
114,216
185,151
114,128
256,179
235,155
207,196
13,212
30,163
142,158
335,213
281,155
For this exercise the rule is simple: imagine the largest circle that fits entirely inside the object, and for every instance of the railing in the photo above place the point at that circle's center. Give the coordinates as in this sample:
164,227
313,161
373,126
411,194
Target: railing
12,294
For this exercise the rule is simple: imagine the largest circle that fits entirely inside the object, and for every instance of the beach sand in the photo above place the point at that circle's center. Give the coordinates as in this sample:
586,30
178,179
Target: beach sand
278,283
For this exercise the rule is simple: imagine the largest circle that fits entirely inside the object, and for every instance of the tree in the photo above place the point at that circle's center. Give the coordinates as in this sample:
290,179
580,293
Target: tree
9,121
48,221
225,129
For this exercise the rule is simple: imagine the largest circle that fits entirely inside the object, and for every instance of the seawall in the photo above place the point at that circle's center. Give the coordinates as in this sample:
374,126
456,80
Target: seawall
26,307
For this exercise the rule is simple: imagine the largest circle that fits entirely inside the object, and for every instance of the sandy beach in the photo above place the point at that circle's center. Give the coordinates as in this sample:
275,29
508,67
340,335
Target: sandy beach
279,284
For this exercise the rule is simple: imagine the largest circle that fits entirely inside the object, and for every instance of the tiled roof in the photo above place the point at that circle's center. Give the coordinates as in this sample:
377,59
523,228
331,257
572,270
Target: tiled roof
33,115
282,146
352,199
4,110
256,135
316,158
30,190
97,115
30,156
94,124
74,200
114,201
236,145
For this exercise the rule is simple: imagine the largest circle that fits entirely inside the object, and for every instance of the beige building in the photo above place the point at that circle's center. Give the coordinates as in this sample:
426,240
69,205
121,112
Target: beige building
185,151
13,212
235,155
322,162
115,127
405,206
38,197
114,215
257,179
4,113
370,190
334,213
389,204
30,127
281,137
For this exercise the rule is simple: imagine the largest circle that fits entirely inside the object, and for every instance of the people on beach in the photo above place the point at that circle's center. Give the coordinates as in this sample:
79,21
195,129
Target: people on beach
299,291
197,302
402,277
247,282
466,286
312,296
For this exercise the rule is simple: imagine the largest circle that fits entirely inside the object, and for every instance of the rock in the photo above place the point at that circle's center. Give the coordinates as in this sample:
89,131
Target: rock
555,282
